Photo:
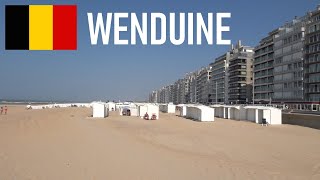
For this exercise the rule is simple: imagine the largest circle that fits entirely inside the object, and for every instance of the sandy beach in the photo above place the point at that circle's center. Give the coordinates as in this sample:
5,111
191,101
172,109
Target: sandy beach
66,143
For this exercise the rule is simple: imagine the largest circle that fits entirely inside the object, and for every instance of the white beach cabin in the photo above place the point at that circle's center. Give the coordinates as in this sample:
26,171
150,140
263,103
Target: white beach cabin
200,113
151,109
168,108
182,108
270,114
131,109
37,107
235,112
230,112
218,110
112,106
99,110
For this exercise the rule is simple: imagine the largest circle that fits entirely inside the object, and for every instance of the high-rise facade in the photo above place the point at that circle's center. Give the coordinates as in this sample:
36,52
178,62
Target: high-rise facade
284,68
219,81
240,74
312,58
289,61
203,79
227,80
263,69
153,97
192,87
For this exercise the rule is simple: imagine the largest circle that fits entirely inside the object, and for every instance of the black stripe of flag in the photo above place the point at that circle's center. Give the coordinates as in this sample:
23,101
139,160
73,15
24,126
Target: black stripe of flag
17,27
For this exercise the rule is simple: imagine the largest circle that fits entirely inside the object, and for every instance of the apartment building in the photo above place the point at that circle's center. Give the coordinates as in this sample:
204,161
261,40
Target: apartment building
284,68
179,92
187,83
289,61
192,87
161,95
218,86
170,93
240,72
202,85
263,69
312,59
153,97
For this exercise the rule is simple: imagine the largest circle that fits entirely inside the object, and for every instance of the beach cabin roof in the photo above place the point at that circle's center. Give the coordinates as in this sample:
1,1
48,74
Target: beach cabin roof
261,107
225,106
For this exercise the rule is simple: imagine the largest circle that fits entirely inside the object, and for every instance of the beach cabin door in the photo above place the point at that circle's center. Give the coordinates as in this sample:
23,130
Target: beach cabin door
226,113
260,116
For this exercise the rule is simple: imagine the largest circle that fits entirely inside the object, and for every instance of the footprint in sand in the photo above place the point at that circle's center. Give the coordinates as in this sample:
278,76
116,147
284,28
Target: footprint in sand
3,156
316,171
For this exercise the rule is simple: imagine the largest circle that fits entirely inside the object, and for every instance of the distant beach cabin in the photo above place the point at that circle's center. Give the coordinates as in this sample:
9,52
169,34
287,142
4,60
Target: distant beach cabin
200,113
182,108
151,109
168,108
112,106
129,110
258,113
99,110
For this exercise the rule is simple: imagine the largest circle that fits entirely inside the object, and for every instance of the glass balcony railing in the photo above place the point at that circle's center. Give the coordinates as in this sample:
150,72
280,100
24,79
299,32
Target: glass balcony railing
313,90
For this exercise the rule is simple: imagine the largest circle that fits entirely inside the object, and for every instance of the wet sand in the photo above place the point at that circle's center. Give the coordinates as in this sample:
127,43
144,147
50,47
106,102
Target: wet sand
68,144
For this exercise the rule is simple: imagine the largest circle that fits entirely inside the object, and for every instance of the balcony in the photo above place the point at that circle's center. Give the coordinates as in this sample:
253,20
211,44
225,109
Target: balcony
260,67
288,80
313,80
262,53
238,73
232,80
238,99
288,70
237,62
236,86
237,93
263,90
313,90
260,75
238,68
312,61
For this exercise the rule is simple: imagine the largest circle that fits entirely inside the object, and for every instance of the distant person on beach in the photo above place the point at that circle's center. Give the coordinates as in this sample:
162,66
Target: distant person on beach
146,116
5,110
1,110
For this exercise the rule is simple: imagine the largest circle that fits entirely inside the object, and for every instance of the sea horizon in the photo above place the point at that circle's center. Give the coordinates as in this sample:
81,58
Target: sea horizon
23,101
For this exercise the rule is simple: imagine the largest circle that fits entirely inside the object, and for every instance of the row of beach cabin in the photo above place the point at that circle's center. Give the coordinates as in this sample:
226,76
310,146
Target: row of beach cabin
256,114
99,109
139,110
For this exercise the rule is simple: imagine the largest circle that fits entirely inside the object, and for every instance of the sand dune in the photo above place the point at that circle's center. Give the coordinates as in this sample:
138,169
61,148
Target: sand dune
67,144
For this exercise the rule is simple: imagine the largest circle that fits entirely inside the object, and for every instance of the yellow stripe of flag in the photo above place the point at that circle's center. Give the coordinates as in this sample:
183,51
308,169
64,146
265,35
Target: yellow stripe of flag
40,27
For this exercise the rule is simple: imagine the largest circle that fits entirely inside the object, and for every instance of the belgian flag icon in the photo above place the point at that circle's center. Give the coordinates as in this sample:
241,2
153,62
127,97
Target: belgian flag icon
41,27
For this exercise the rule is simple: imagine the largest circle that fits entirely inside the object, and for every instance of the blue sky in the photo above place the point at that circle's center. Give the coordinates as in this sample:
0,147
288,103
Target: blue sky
130,72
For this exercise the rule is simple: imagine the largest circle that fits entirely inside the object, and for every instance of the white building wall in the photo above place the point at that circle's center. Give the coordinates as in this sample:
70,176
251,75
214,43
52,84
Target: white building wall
99,110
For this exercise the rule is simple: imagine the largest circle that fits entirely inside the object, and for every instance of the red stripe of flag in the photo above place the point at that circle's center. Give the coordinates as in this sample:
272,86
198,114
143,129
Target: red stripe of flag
64,27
